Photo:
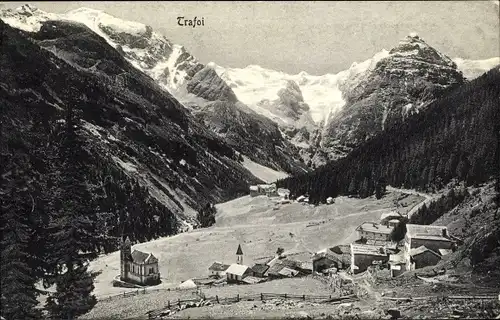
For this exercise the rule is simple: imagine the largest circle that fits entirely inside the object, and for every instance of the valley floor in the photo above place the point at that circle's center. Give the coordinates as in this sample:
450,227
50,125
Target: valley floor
259,229
254,223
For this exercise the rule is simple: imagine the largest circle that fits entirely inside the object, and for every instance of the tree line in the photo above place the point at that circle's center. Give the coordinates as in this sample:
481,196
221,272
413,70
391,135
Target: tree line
455,137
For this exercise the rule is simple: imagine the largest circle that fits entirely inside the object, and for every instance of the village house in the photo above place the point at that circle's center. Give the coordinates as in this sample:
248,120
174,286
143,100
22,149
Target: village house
363,256
374,231
264,189
254,191
397,264
236,272
422,257
284,193
260,269
218,269
303,199
338,257
138,267
389,216
433,238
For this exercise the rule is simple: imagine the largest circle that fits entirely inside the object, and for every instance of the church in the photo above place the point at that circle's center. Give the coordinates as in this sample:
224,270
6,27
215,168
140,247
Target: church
138,267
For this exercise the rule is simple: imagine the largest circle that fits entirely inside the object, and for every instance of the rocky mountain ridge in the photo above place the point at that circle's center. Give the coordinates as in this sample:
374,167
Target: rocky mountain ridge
175,70
410,77
130,123
316,118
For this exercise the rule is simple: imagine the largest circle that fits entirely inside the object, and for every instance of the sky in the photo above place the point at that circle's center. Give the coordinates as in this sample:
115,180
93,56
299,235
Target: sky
313,36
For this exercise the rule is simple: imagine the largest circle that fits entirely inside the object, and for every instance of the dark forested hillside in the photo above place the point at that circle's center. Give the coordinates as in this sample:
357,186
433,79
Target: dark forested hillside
91,150
454,137
150,159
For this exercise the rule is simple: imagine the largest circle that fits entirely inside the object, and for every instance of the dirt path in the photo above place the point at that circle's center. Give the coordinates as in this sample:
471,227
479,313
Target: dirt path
428,198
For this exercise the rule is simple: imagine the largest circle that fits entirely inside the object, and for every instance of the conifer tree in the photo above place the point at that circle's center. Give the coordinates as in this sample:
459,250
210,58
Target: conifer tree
17,281
72,238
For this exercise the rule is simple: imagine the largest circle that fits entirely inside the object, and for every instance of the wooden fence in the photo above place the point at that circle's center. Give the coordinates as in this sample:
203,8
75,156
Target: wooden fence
143,291
253,297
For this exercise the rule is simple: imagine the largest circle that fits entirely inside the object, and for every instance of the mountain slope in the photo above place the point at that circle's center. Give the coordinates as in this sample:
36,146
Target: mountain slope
455,136
132,125
356,103
173,68
411,76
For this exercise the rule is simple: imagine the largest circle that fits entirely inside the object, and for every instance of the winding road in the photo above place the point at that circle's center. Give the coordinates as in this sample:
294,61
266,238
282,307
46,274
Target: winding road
428,198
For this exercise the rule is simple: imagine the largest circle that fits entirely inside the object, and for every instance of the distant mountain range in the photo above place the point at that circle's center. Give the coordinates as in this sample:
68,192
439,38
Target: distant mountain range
311,117
191,132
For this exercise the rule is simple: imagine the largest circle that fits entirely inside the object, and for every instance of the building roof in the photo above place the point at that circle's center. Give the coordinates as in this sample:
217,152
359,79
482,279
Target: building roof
340,253
273,261
282,191
140,257
374,227
275,268
368,250
393,221
300,198
306,265
287,272
267,186
444,252
389,214
422,249
340,249
254,188
217,266
237,269
239,251
417,231
260,268
396,258
252,280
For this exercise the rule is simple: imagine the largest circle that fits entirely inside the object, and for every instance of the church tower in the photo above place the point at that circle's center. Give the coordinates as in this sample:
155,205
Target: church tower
239,255
125,253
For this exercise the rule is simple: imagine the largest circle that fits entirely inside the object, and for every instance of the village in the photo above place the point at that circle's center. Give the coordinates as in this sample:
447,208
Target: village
422,246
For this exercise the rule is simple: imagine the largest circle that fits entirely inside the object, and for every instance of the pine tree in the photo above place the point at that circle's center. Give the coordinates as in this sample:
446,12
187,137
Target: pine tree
72,238
380,188
398,233
364,189
17,280
352,186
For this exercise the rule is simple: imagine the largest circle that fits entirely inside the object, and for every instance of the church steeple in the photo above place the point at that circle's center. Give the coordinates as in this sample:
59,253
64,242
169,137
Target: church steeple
239,255
125,253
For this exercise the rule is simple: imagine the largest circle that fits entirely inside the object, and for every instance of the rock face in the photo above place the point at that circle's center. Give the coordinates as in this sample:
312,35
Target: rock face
290,102
251,134
320,117
208,85
408,79
130,122
170,65
292,115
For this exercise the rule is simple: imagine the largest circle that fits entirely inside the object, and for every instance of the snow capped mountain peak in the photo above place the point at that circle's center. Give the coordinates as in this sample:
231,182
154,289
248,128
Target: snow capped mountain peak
27,9
413,35
323,93
415,47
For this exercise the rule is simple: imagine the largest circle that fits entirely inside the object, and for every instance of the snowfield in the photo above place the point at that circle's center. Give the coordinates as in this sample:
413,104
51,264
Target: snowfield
323,94
474,68
263,173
